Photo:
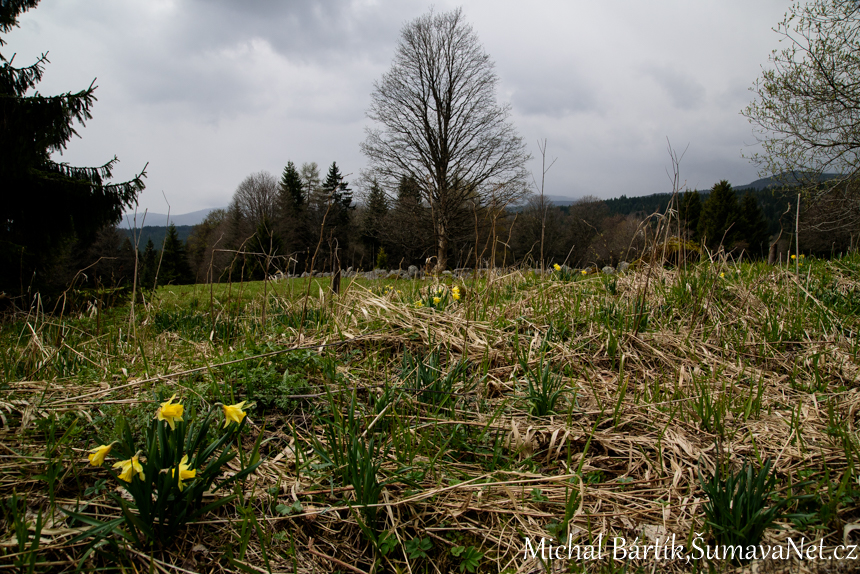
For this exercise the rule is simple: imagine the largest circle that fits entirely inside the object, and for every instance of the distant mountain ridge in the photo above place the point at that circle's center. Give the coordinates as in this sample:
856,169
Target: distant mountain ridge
793,178
160,219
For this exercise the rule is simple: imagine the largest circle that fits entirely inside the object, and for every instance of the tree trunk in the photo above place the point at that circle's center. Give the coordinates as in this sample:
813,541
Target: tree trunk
442,248
774,249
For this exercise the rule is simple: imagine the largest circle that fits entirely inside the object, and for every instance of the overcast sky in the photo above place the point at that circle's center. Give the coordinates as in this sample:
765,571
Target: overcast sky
210,91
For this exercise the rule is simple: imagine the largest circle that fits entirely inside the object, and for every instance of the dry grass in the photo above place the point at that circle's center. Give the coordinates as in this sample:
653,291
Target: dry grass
775,358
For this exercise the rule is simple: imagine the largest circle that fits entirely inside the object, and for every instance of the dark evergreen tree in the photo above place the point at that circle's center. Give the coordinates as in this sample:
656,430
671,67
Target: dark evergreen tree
689,211
46,204
124,274
174,268
148,264
720,213
408,229
341,195
373,220
293,224
753,227
290,191
408,191
340,198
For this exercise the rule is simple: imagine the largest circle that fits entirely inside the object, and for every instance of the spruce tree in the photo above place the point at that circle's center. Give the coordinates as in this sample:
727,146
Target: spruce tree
689,211
124,270
339,189
46,204
752,226
292,224
174,261
148,264
340,198
373,222
290,191
720,213
409,228
408,191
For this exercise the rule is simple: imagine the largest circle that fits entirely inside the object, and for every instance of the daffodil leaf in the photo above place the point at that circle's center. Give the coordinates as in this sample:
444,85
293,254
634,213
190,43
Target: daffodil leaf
212,506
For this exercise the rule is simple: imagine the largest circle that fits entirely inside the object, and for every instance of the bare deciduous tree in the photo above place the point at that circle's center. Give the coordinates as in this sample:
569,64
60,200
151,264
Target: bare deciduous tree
441,125
256,197
806,110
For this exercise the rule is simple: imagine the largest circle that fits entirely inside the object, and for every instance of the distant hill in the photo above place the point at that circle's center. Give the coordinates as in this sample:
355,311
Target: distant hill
160,219
793,178
772,202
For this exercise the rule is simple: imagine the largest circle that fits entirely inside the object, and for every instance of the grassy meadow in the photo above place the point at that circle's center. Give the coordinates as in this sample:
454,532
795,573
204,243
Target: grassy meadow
434,425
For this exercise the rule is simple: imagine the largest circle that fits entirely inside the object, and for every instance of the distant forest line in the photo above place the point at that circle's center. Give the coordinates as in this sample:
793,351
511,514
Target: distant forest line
302,222
772,201
772,205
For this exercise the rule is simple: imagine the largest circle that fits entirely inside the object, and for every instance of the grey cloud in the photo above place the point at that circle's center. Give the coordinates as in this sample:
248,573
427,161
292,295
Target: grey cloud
327,32
553,95
202,59
209,91
684,91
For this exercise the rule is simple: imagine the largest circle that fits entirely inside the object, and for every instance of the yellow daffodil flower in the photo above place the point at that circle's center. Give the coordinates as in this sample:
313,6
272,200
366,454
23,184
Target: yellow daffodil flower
722,274
418,304
793,256
170,412
234,413
557,267
802,256
129,467
436,300
584,272
455,292
184,472
98,454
